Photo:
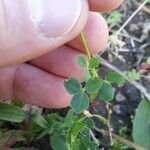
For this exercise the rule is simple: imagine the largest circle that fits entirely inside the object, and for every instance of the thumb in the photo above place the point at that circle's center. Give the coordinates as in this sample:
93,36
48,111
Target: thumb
30,28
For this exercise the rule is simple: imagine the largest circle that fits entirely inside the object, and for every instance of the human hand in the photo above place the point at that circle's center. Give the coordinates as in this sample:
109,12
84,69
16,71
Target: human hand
47,40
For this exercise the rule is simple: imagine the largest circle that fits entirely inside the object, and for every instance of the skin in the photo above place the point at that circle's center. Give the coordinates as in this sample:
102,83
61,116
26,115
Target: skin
35,61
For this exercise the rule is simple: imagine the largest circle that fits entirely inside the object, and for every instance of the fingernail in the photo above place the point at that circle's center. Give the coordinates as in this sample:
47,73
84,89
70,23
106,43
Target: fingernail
55,18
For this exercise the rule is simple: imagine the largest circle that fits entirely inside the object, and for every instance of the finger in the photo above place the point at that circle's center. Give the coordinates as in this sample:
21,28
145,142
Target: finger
61,62
33,86
95,32
39,27
104,5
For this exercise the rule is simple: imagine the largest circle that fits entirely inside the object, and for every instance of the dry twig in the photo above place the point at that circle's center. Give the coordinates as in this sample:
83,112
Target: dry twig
108,112
144,8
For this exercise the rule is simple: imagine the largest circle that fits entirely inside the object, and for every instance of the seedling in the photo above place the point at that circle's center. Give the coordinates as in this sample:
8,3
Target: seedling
74,131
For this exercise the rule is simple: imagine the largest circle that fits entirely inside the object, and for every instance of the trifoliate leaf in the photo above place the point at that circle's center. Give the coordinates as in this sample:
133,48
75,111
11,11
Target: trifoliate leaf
11,113
72,86
114,77
80,102
94,62
82,61
93,85
141,125
106,92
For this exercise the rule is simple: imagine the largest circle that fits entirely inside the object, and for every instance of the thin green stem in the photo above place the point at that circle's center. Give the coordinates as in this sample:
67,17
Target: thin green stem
83,40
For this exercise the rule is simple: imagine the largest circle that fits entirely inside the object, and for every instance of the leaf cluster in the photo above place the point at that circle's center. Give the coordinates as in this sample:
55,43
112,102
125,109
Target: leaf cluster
94,87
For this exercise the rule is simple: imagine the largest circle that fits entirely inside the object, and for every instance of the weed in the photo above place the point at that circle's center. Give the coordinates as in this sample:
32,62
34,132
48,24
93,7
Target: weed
74,131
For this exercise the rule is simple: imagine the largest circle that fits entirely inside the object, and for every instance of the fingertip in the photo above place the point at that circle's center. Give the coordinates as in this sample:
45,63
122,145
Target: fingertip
95,32
104,5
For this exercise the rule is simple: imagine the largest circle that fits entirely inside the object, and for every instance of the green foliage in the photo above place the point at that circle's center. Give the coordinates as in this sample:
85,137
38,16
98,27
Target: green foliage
93,85
119,146
11,113
94,62
40,120
69,132
72,132
87,75
116,78
72,86
114,18
106,92
141,125
59,143
132,75
82,61
80,102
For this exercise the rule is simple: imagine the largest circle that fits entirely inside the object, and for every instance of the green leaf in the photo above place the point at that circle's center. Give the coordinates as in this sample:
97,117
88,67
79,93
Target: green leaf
82,61
80,102
89,123
40,120
69,117
114,18
114,77
132,75
88,144
43,133
54,117
106,92
72,86
141,125
94,62
58,143
93,85
11,113
76,144
87,75
77,128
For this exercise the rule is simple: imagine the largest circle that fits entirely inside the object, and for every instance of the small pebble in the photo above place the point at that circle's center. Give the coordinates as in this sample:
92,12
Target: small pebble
120,97
116,108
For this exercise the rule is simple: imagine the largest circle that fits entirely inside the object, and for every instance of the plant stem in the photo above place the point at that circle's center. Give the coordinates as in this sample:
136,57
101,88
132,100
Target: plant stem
82,38
89,115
